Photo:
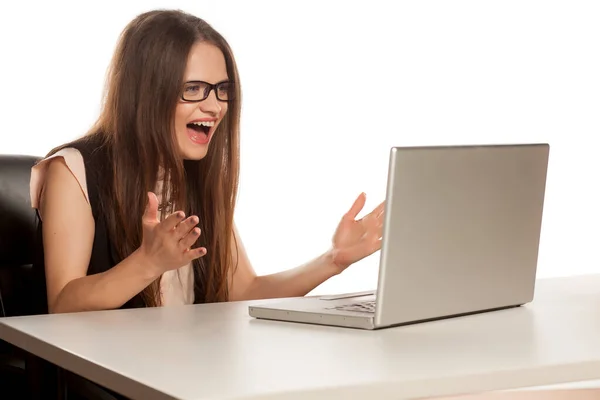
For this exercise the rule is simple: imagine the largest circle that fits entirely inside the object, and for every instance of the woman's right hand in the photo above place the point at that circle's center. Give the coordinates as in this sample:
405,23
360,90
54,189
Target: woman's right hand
167,244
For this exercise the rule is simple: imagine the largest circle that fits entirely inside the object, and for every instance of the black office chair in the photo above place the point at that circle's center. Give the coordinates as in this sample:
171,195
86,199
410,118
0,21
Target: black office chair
23,375
17,234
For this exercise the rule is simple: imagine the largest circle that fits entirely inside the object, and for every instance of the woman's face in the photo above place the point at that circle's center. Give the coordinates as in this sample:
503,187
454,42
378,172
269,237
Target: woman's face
197,121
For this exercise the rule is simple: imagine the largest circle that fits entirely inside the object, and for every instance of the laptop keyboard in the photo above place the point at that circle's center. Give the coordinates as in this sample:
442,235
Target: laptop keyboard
361,306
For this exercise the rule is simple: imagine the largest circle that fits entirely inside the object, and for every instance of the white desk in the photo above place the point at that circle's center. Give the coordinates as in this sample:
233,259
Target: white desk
217,352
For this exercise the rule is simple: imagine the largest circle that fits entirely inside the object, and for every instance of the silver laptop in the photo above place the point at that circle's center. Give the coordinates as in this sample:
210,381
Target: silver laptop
461,236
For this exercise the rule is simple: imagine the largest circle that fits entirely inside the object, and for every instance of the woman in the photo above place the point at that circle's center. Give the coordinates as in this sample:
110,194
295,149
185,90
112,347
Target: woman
139,212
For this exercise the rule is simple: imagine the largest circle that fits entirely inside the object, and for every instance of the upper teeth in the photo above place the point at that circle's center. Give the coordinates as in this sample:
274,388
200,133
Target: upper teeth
205,123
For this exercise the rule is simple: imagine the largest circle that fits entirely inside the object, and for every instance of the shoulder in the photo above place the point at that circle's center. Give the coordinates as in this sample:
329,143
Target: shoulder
65,163
75,161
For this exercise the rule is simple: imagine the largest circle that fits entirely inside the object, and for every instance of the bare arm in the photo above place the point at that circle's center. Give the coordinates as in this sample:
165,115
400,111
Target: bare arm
352,241
299,281
68,234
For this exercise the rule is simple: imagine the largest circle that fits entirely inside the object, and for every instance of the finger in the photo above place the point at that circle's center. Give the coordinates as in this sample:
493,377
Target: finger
188,240
378,211
185,226
374,219
358,205
172,220
151,211
192,254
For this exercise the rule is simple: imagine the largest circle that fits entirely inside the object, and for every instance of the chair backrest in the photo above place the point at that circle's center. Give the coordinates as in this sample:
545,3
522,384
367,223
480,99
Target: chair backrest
17,232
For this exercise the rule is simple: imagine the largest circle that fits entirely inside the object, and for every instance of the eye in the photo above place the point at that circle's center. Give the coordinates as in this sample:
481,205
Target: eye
225,89
192,89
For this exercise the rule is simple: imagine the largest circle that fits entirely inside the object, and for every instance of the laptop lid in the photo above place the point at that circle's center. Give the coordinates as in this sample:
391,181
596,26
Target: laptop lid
462,230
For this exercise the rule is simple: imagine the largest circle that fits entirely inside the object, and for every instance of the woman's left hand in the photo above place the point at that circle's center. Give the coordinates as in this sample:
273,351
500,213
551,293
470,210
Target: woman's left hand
356,239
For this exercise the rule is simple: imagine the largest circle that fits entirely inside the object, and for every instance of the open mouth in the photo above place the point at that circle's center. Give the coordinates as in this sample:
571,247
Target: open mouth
199,131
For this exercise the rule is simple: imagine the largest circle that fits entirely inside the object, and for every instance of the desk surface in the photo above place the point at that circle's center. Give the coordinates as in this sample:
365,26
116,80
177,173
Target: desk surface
217,352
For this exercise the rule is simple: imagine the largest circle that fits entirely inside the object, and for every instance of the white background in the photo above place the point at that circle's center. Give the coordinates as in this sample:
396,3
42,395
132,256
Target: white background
329,86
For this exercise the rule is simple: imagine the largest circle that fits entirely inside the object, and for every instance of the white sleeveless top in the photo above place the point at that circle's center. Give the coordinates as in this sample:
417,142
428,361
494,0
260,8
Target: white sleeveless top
176,286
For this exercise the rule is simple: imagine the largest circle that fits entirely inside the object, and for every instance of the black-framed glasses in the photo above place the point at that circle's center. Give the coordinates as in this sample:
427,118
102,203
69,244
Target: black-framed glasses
195,91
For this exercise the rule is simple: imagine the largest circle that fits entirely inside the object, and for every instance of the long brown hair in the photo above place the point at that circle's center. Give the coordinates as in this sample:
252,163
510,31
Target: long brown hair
144,84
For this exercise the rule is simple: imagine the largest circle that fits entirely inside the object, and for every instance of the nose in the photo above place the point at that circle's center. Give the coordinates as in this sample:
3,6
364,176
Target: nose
210,105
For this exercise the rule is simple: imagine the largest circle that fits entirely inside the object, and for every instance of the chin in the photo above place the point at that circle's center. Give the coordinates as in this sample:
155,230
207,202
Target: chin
195,154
